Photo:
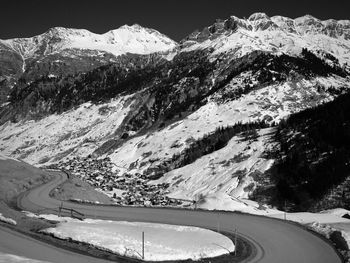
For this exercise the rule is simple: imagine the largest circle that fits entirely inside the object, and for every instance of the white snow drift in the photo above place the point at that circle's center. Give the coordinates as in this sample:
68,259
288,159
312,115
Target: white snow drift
7,220
162,242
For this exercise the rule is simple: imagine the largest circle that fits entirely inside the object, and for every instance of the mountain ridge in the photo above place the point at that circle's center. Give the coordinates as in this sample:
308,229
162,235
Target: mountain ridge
275,34
123,34
261,21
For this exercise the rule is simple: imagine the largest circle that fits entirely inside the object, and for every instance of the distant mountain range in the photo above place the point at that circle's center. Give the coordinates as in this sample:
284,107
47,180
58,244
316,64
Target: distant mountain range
201,115
62,51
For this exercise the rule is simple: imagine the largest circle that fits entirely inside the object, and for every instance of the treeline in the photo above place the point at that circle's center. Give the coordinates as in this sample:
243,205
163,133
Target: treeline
319,65
315,154
217,140
209,143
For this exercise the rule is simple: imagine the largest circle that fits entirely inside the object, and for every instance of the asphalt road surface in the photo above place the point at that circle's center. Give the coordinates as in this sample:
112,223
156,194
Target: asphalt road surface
276,241
15,243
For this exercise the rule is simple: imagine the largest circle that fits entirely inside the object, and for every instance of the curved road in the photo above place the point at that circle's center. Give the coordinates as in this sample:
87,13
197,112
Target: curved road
276,241
14,243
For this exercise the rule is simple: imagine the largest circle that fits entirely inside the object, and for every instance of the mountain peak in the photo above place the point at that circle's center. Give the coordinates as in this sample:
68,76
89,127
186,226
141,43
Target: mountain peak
308,17
63,32
57,29
258,16
132,27
307,20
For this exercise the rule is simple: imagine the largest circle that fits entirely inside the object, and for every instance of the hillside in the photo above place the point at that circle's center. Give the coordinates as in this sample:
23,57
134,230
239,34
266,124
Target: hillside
16,177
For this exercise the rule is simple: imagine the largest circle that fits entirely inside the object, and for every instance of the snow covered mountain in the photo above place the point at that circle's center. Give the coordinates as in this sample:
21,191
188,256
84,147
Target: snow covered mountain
200,119
126,39
275,34
67,51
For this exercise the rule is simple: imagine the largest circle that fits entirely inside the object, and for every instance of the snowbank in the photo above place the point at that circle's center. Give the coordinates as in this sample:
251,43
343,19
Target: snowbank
222,201
344,229
336,211
7,220
162,242
308,218
328,223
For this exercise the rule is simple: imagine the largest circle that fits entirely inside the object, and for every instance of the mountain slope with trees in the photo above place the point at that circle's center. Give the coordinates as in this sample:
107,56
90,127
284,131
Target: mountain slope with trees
314,157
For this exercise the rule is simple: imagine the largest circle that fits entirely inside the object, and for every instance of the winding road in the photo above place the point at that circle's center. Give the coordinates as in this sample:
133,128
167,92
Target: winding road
276,241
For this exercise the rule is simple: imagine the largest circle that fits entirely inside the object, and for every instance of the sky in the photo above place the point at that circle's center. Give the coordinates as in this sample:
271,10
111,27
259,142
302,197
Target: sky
174,18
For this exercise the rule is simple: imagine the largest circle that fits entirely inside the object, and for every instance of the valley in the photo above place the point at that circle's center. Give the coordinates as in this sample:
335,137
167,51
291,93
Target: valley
247,115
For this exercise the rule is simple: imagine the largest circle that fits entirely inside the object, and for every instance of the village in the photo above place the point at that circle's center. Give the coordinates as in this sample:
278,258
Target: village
124,188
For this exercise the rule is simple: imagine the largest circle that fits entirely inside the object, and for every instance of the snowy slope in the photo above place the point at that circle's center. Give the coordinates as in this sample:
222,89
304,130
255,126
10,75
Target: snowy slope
271,103
229,170
80,131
